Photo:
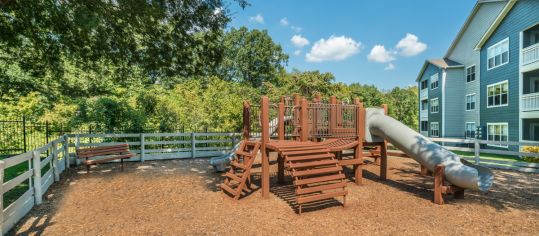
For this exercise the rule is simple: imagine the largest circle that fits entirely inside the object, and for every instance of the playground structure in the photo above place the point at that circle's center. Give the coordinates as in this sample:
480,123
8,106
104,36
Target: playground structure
310,138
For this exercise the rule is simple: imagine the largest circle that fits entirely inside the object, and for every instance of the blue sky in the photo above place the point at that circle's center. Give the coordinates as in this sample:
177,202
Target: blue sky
339,36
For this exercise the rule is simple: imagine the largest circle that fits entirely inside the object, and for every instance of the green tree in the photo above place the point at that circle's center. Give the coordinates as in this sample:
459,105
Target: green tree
251,57
403,105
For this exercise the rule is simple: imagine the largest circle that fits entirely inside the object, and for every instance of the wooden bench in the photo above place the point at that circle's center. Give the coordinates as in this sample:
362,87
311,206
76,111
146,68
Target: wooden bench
104,154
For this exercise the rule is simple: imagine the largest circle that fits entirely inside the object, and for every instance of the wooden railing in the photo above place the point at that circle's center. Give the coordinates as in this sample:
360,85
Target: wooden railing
530,54
42,166
530,102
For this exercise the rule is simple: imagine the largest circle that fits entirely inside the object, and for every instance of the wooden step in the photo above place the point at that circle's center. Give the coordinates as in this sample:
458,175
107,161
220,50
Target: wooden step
319,179
243,153
237,164
318,197
309,157
316,171
312,163
233,177
301,148
228,189
304,152
320,188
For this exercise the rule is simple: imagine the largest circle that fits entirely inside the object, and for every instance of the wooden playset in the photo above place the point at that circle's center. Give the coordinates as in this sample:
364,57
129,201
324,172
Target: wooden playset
313,140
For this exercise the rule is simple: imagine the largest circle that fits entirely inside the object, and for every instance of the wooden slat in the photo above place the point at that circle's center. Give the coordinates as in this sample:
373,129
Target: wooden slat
107,159
312,163
318,171
12,161
243,153
304,152
319,179
350,162
322,196
310,157
228,189
237,164
321,188
233,177
301,148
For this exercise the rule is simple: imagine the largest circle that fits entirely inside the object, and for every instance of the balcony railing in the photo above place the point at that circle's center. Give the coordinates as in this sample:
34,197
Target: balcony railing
530,54
530,102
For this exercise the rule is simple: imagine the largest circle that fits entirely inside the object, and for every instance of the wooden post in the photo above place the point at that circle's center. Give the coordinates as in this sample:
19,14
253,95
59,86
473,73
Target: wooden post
477,152
38,197
246,120
425,171
2,165
193,145
360,133
332,114
304,121
264,117
383,153
55,168
280,122
142,147
66,150
438,184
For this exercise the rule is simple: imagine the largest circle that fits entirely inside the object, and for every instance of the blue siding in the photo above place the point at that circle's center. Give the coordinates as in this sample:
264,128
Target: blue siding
525,13
434,93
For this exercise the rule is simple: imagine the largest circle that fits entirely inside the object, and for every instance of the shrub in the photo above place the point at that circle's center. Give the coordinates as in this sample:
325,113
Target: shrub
531,149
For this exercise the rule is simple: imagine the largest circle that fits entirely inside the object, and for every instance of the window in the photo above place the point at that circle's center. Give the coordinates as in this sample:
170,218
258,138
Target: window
470,74
424,126
424,84
470,102
434,81
434,129
470,129
498,54
434,106
497,132
497,94
424,105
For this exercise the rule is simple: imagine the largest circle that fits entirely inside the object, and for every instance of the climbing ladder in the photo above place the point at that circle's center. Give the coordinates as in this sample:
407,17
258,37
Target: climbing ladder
317,174
238,178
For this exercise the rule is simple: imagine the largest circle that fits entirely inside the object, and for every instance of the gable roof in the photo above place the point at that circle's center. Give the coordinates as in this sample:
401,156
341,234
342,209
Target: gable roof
467,24
495,24
442,63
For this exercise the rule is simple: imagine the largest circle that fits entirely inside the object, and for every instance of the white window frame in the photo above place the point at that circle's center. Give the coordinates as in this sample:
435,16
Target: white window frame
466,130
420,126
492,85
475,73
426,87
495,45
434,78
437,106
496,145
431,129
475,102
421,105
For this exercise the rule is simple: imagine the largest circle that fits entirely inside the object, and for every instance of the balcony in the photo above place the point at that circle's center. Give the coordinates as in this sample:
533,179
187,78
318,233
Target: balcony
530,102
530,54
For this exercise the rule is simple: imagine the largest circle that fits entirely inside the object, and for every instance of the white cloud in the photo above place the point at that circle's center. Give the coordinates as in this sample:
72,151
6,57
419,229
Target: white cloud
296,29
380,54
299,41
333,49
410,46
297,52
390,66
284,22
258,19
218,11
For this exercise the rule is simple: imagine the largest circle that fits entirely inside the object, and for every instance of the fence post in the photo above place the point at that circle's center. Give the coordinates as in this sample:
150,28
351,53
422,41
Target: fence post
55,161
477,152
2,165
142,143
37,177
24,132
193,145
77,146
66,150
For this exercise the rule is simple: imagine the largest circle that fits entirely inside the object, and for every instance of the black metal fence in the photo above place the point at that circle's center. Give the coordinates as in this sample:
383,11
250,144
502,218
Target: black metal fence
19,136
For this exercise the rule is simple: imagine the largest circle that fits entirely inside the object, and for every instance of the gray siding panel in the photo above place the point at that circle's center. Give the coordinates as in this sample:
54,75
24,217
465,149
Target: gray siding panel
524,14
454,103
434,93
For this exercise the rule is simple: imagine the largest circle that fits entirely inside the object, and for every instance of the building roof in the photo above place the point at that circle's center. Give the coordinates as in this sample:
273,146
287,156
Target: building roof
442,63
495,24
467,23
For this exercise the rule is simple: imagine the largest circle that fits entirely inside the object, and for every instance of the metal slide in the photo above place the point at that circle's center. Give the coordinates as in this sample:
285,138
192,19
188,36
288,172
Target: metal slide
426,152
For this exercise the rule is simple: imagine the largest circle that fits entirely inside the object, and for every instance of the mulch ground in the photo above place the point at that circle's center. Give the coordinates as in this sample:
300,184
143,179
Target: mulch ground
181,197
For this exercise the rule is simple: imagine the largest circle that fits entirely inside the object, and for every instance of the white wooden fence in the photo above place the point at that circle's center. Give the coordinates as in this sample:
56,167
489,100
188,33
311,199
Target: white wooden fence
43,166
